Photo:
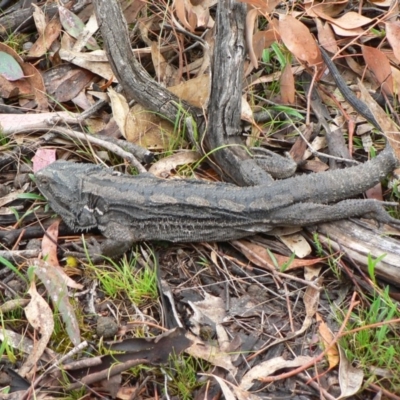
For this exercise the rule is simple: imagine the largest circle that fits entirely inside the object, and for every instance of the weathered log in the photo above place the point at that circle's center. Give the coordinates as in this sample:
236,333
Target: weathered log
358,240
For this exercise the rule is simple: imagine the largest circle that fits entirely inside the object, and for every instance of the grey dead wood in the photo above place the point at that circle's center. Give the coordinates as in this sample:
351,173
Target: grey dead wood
16,19
358,241
232,160
127,209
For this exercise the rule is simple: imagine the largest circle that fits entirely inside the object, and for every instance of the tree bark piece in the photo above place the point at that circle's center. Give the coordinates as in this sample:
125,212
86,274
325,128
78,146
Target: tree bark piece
224,107
358,241
137,84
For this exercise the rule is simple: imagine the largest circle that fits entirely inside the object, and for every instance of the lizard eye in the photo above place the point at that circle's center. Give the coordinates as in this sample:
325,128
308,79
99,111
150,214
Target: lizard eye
43,181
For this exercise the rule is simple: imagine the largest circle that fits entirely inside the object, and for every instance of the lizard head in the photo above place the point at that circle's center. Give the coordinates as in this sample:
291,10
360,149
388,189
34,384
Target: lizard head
61,184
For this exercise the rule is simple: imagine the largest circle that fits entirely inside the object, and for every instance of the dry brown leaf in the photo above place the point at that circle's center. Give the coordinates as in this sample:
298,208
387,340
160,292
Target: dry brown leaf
39,18
246,112
331,8
375,192
184,14
296,244
163,167
82,100
326,36
40,316
315,166
131,9
225,388
95,61
38,90
122,115
348,21
311,296
269,367
54,77
381,3
350,378
379,64
265,6
67,42
298,39
166,74
44,41
210,352
56,282
327,338
231,391
263,40
72,84
347,32
49,243
149,130
201,8
195,91
388,127
49,250
7,88
317,144
144,27
260,41
288,90
355,66
213,307
393,37
251,19
396,81
260,256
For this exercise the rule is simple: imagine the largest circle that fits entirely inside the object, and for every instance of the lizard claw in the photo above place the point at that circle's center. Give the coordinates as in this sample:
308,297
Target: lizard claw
90,251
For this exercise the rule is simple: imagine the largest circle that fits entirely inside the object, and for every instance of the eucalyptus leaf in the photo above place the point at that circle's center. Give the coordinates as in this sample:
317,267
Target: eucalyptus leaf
9,67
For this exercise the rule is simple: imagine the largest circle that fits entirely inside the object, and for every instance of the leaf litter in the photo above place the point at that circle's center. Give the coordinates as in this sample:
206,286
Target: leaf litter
241,309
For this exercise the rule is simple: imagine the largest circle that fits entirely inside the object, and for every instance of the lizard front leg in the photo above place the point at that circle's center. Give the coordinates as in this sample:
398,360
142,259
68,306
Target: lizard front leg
119,240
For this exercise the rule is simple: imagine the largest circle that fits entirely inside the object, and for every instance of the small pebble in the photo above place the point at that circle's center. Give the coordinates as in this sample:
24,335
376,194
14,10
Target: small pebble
106,327
27,46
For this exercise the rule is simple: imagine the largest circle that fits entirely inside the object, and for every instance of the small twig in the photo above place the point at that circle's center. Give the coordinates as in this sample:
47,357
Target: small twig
319,154
105,373
70,354
96,107
181,29
385,392
315,385
19,254
136,392
93,140
309,95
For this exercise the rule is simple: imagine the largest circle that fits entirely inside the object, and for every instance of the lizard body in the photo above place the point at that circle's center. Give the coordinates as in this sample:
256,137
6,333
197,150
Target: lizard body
128,208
